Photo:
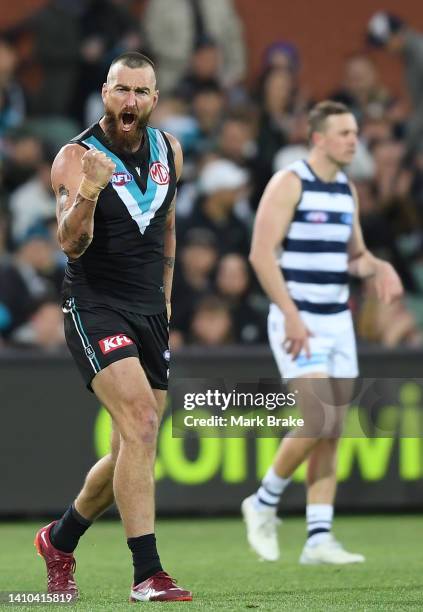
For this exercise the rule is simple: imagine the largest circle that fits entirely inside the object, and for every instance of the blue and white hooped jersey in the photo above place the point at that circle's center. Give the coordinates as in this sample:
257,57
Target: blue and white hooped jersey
314,259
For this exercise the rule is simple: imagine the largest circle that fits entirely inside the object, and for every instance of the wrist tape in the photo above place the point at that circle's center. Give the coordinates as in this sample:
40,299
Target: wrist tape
89,190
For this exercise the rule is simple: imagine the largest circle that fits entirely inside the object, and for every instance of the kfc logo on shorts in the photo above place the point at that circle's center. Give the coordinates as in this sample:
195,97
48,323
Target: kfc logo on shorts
317,216
159,173
119,179
114,342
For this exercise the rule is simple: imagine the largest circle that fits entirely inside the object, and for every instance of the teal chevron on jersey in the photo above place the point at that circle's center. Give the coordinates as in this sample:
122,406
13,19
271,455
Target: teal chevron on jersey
141,206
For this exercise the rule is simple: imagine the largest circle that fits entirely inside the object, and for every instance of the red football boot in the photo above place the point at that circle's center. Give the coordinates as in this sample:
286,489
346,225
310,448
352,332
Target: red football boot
159,587
60,565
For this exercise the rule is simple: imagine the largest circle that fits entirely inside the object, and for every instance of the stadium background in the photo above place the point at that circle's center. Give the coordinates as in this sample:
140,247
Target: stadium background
239,95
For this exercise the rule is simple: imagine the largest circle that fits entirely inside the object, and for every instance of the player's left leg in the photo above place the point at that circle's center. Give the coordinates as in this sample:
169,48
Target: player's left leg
97,496
57,541
259,509
321,547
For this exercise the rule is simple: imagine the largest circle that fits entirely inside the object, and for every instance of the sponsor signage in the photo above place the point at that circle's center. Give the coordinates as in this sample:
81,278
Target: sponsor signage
53,430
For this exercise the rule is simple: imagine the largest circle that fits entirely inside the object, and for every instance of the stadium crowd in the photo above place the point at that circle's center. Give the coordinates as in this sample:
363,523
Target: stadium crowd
235,132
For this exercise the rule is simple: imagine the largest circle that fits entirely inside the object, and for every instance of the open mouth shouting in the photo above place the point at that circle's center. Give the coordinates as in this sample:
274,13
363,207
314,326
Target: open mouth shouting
128,120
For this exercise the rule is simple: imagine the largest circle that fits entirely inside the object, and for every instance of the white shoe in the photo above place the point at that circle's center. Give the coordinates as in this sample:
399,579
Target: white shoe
329,551
261,529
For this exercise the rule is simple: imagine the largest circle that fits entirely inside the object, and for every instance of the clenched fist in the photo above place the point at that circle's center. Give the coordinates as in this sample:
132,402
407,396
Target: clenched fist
97,168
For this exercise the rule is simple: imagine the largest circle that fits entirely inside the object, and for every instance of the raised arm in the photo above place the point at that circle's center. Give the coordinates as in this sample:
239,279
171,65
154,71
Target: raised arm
78,176
273,218
170,234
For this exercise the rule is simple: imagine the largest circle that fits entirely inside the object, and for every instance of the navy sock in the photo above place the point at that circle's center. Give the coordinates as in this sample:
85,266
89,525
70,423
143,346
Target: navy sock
65,534
145,557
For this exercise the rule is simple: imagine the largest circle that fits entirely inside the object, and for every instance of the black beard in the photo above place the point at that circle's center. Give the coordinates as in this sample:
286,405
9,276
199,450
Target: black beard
124,142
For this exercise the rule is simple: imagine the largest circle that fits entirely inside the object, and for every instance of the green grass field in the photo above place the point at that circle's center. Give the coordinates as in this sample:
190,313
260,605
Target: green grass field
211,558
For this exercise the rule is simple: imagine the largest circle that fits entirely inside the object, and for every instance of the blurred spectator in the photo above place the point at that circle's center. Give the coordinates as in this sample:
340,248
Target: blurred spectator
12,103
283,55
417,185
233,284
195,265
375,130
392,179
361,90
208,107
221,185
287,155
56,48
107,29
23,153
204,68
44,329
27,279
173,33
236,140
386,210
173,115
33,201
392,33
278,105
211,324
3,233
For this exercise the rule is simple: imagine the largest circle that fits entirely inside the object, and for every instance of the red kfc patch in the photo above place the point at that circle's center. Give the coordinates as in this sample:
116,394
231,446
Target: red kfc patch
114,342
159,173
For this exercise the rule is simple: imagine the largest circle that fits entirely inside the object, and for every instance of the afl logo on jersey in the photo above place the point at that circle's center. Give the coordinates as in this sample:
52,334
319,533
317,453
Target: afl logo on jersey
159,173
119,179
317,216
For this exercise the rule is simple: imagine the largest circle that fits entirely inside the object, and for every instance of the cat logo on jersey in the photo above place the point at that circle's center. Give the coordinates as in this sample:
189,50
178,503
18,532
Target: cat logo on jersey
119,179
159,173
317,216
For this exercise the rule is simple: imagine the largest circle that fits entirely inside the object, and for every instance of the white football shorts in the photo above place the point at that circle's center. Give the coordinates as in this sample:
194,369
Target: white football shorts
333,347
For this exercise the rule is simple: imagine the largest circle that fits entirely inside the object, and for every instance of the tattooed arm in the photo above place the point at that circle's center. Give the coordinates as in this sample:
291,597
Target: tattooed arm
78,176
170,233
169,254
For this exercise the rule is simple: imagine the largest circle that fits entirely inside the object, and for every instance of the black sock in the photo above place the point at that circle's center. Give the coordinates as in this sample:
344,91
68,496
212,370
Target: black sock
145,557
65,534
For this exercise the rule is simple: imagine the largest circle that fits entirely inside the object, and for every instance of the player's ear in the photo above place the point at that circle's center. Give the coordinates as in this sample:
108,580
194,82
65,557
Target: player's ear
104,91
316,138
156,98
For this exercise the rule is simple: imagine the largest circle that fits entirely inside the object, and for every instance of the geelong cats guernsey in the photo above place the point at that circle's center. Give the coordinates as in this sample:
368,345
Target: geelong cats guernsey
314,259
123,266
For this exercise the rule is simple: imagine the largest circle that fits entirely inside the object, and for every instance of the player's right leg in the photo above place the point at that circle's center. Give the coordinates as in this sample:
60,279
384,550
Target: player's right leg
321,547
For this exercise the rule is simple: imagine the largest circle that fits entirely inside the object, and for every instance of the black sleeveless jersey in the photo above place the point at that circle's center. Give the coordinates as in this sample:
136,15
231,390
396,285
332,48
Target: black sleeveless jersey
123,266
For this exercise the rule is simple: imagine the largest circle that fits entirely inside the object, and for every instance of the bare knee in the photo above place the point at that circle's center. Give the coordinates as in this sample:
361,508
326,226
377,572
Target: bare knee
139,423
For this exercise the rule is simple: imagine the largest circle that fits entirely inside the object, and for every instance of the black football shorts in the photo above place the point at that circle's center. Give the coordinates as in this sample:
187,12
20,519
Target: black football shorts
99,335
